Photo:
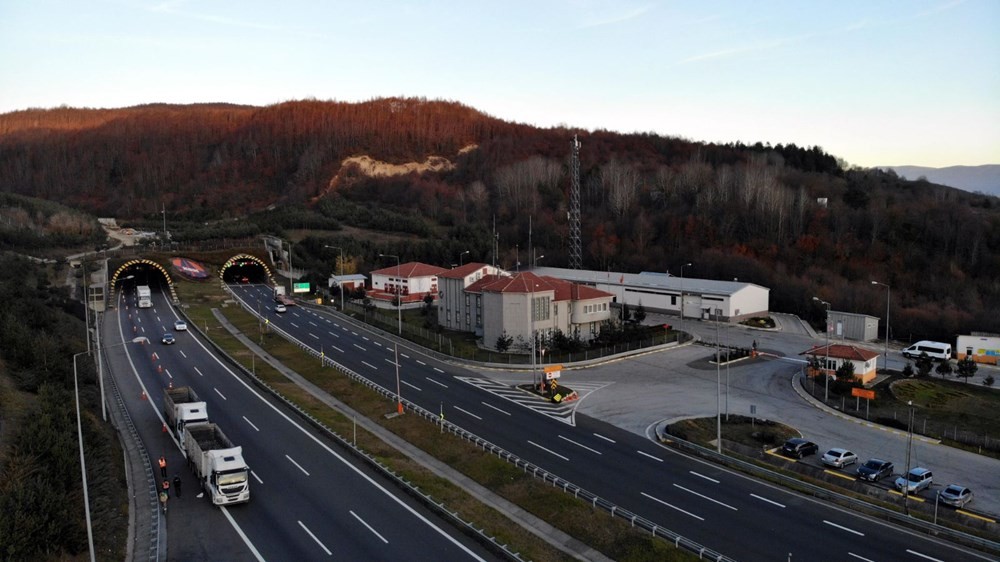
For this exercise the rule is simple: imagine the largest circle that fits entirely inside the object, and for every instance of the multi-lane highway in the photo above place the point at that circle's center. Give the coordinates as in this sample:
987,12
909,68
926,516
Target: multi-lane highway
309,499
730,513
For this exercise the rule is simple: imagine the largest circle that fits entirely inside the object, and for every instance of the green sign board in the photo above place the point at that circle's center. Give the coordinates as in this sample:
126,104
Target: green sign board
300,287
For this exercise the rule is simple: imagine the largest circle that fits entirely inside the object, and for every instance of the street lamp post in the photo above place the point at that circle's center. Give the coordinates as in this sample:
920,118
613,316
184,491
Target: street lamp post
535,260
826,365
461,258
682,294
909,447
341,281
718,376
399,294
888,292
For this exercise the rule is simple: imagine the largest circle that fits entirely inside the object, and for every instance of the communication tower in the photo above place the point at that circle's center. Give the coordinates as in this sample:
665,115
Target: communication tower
575,253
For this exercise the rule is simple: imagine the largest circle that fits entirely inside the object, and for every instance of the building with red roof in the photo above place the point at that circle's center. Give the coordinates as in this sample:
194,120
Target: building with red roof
831,357
412,281
459,309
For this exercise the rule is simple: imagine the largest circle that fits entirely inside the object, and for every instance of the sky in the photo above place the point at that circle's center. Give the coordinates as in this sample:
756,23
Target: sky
914,82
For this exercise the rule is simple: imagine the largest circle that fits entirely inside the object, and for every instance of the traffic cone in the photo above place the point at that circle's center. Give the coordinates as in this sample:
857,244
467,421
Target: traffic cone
170,385
159,368
143,395
164,427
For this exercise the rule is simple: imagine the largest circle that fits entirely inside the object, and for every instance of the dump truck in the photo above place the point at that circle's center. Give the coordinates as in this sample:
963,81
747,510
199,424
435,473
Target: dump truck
181,407
217,463
145,297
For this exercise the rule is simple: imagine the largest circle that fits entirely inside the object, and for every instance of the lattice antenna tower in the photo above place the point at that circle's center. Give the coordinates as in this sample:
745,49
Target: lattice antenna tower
575,252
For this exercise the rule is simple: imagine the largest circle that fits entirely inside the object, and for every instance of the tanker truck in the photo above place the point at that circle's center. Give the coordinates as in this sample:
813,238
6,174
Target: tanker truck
219,465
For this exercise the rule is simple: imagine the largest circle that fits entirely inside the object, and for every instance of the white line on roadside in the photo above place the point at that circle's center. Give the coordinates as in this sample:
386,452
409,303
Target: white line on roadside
467,412
608,439
580,445
548,450
239,531
439,370
377,343
167,371
703,476
197,371
673,506
369,364
436,382
419,362
649,455
361,348
184,355
321,545
843,528
690,491
314,324
393,363
294,324
313,335
219,393
860,557
254,474
337,348
763,499
297,464
365,338
334,335
251,423
352,332
404,355
505,412
915,553
369,527
413,386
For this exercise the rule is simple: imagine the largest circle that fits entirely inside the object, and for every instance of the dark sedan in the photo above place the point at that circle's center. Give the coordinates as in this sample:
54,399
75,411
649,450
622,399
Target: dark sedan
797,447
875,470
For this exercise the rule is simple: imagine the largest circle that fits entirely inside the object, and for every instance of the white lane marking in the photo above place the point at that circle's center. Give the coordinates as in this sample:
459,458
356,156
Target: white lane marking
414,387
404,355
467,412
254,474
763,499
219,393
673,506
321,545
860,557
369,527
294,324
915,553
197,371
183,354
297,464
436,382
143,328
313,335
843,528
690,491
295,314
419,362
242,535
377,343
391,362
605,438
580,445
505,412
334,335
353,333
250,422
548,451
314,324
439,370
369,364
337,348
649,455
703,476
158,318
359,347
365,338
167,371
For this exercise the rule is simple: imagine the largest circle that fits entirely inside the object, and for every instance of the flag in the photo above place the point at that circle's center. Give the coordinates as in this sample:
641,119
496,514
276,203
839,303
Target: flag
621,280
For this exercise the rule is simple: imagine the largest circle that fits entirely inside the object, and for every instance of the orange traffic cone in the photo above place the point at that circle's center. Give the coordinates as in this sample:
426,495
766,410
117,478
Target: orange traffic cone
159,368
143,395
164,427
170,385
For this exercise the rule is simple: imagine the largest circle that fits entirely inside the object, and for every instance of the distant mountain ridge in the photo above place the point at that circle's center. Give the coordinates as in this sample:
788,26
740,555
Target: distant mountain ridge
984,178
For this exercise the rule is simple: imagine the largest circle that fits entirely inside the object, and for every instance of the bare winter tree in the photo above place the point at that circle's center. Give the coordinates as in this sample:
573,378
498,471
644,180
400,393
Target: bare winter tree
621,184
519,182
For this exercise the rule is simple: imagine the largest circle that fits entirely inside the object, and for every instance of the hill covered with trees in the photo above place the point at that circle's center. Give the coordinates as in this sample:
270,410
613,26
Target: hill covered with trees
791,218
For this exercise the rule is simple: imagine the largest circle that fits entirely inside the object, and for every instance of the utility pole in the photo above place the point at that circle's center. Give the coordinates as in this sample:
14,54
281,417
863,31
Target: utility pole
341,282
399,294
718,396
888,292
826,365
682,295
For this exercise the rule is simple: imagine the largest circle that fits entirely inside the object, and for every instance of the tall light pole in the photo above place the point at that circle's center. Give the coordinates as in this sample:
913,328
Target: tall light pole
399,293
826,365
535,260
461,258
909,447
341,282
728,351
888,292
682,294
718,376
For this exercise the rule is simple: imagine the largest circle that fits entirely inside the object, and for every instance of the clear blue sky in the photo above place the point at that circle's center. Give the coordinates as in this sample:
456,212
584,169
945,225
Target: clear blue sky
876,83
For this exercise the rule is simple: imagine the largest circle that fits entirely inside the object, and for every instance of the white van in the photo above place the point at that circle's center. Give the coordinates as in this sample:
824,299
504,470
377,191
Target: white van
933,349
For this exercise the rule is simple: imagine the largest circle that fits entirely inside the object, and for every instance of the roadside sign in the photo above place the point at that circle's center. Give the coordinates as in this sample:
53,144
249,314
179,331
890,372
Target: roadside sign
300,288
863,393
553,372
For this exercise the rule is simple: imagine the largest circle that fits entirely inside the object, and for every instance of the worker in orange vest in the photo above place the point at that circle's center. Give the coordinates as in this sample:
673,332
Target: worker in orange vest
163,466
166,487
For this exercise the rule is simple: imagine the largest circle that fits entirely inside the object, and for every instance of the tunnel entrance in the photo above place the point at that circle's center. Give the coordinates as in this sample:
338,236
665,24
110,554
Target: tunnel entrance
245,268
141,272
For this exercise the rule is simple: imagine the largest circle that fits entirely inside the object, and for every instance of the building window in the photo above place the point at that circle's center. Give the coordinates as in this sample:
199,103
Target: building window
555,309
540,308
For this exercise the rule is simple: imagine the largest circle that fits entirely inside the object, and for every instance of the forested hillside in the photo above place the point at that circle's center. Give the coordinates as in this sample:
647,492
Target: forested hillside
787,217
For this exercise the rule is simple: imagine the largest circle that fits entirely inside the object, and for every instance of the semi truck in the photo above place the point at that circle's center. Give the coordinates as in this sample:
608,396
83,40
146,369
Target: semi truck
217,463
181,408
145,297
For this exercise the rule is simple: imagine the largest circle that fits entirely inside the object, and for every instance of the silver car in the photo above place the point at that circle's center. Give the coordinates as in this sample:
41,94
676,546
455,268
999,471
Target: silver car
956,496
838,458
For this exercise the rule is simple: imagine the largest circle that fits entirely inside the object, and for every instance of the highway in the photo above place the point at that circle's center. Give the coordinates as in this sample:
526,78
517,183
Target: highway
730,513
309,499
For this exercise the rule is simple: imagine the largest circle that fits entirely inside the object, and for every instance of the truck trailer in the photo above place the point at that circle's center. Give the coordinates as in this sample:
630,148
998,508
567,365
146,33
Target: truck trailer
182,408
219,465
145,297
981,347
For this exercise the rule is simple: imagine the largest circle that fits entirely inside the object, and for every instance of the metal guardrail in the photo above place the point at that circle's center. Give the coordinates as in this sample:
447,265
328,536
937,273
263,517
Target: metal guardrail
637,521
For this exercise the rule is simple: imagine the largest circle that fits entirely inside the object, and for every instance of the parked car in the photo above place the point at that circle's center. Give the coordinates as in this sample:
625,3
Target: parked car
917,479
279,307
875,470
798,447
167,338
956,496
838,458
180,326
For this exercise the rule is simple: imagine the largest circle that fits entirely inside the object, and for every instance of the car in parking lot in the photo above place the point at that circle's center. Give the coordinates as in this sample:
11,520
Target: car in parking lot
838,458
167,338
798,447
180,326
955,495
279,307
915,480
875,470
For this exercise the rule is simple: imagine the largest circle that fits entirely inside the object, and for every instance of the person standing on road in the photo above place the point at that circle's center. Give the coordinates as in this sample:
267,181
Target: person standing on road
163,500
177,485
163,466
166,487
